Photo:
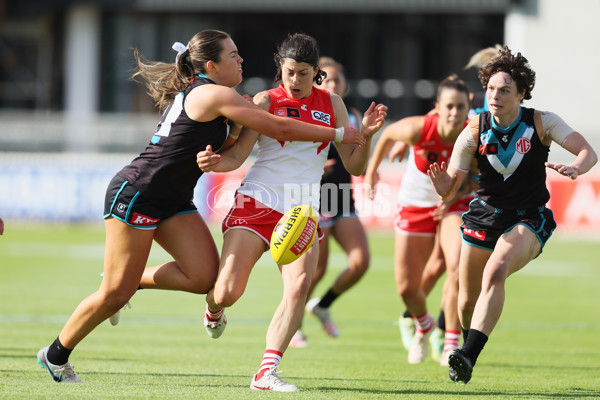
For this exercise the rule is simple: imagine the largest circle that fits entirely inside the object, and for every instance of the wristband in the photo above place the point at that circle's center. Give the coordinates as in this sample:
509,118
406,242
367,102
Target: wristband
234,137
339,134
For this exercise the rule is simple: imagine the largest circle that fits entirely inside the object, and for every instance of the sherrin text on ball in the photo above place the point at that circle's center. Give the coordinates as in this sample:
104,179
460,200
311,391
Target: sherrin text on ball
294,234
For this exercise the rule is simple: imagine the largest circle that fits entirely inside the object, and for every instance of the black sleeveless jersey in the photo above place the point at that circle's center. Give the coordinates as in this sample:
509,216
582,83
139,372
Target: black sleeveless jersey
167,171
511,163
336,196
339,173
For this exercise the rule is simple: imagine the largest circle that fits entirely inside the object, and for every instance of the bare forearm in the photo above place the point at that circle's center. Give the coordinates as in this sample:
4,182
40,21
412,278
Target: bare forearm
585,160
359,158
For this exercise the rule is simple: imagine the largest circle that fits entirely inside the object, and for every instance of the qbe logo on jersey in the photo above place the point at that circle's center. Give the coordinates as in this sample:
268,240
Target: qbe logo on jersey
321,116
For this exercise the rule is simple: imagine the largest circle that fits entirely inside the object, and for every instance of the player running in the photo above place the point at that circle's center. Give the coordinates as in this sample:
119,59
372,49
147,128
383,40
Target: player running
508,222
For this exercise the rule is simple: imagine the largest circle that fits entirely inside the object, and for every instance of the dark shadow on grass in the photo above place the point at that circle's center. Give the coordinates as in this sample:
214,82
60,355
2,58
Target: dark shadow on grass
574,393
578,393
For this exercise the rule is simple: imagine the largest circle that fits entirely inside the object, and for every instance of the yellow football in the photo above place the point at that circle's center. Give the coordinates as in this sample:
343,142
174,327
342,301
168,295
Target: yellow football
294,234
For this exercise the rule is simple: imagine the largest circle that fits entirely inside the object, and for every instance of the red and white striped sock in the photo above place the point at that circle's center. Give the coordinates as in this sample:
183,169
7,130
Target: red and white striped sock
451,340
424,323
271,359
214,316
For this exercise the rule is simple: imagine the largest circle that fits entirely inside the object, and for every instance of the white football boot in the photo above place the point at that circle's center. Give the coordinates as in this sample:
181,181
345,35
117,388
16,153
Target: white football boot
215,328
324,316
419,348
299,340
116,317
60,373
407,330
271,381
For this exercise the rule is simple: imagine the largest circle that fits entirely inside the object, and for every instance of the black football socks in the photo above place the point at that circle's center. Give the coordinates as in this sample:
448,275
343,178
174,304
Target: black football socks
474,344
58,354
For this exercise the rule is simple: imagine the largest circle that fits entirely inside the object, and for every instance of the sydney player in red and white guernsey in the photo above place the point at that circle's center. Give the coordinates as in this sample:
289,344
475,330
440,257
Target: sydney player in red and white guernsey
421,214
286,173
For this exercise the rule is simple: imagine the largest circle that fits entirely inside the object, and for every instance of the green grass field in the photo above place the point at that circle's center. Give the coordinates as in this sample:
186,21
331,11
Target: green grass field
546,345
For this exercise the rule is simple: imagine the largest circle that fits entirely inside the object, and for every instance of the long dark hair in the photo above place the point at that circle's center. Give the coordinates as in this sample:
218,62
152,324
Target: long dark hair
165,80
302,48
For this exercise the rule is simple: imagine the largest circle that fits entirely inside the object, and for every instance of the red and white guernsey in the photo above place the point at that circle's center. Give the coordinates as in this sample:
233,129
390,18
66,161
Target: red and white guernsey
286,174
416,188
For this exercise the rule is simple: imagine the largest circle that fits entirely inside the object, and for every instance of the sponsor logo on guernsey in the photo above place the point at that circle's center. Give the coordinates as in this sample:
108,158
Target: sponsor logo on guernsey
140,219
523,145
321,116
480,235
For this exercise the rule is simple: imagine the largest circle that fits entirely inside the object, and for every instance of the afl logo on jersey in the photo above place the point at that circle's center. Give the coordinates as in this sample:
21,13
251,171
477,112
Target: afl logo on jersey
523,145
321,116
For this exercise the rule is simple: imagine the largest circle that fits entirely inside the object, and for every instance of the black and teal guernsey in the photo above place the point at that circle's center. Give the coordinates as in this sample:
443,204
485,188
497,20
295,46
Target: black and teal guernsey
511,163
167,171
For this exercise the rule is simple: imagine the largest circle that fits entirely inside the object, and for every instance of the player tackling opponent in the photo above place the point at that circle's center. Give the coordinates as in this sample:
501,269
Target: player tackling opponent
151,198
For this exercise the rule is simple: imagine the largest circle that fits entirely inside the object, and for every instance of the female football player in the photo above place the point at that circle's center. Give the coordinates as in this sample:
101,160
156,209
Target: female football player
151,198
420,214
508,222
285,173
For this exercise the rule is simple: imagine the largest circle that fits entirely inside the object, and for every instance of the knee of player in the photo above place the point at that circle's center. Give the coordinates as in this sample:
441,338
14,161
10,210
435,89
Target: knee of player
452,278
227,296
494,275
114,300
202,285
408,290
362,264
203,281
298,286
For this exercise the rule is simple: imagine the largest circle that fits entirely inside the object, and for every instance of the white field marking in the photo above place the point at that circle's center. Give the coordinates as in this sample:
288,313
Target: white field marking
61,319
337,261
533,326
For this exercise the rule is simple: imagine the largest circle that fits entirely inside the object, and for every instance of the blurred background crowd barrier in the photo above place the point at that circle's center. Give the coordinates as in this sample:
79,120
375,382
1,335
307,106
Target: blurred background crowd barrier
70,188
70,116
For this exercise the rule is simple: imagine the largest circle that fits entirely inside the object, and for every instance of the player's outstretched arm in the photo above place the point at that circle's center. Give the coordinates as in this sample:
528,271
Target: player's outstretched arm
355,158
227,102
586,158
